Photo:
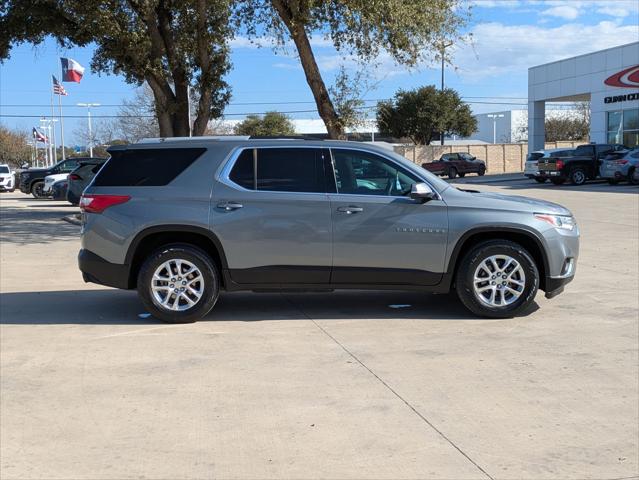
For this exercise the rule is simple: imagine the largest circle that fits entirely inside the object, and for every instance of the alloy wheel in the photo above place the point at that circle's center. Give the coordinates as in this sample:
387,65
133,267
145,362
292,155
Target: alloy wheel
499,281
177,285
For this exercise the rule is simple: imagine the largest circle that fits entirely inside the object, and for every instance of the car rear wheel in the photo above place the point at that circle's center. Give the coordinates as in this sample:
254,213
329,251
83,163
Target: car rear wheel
578,176
540,180
558,181
37,190
178,283
633,176
497,279
452,173
481,172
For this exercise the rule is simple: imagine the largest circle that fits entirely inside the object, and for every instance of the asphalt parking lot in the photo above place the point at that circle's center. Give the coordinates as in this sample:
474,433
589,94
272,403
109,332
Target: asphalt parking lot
372,385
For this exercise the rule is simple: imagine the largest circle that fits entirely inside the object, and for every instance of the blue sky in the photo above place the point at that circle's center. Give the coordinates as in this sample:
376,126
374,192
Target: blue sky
508,37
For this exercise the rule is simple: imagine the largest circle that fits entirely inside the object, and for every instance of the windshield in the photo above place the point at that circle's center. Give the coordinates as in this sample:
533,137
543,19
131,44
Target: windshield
4,169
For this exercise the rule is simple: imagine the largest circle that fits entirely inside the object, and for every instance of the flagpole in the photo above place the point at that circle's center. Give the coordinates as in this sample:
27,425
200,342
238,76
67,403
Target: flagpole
61,126
55,153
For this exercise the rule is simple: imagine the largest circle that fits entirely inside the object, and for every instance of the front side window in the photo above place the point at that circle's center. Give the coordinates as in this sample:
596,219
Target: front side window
279,170
363,173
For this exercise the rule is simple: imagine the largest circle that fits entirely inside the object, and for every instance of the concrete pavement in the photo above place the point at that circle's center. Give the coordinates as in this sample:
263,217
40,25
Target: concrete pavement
335,385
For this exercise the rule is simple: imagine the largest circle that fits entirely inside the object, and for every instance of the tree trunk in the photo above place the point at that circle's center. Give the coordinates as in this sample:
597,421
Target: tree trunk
314,79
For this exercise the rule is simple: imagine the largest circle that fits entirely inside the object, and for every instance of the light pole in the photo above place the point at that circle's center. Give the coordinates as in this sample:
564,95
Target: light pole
495,116
443,46
89,105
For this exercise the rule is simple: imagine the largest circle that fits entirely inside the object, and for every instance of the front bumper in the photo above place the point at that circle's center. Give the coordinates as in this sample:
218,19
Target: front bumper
96,269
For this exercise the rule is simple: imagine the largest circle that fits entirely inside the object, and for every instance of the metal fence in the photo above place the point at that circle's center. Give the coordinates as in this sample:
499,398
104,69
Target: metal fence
499,158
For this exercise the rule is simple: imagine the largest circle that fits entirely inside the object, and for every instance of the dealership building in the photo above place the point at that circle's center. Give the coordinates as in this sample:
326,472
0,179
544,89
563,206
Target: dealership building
608,79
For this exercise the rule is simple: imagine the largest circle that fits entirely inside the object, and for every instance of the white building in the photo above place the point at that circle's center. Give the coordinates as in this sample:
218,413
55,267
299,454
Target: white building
609,79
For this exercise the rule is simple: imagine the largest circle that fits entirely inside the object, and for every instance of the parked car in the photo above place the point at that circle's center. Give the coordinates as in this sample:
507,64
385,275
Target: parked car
81,177
7,179
181,219
32,180
531,169
623,165
59,189
49,180
454,164
583,165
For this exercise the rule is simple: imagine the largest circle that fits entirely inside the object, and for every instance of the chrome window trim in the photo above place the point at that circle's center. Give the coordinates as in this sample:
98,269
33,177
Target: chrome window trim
229,163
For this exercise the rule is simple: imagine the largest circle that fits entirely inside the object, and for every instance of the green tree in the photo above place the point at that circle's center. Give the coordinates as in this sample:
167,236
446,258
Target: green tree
423,113
271,124
15,149
172,45
410,31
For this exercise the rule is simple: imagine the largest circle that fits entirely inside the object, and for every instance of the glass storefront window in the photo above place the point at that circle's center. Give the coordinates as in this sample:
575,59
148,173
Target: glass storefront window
614,121
623,127
631,119
631,139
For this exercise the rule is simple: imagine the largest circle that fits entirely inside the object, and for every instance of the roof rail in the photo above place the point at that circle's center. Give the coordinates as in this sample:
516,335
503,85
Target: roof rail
186,139
283,137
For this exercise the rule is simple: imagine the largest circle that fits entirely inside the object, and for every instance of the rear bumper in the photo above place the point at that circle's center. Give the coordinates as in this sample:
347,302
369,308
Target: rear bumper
96,269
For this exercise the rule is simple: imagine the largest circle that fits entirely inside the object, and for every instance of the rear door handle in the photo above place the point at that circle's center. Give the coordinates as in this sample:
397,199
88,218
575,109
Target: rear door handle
229,206
350,209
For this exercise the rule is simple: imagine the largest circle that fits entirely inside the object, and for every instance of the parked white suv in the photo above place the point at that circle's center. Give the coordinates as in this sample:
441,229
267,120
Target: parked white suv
49,180
7,179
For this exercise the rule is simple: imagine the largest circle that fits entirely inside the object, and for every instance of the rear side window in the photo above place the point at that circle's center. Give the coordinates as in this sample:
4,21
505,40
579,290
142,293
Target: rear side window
147,167
280,170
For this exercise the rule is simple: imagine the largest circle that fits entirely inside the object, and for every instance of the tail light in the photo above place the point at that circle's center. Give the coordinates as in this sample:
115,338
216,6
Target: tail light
74,176
620,162
99,203
559,164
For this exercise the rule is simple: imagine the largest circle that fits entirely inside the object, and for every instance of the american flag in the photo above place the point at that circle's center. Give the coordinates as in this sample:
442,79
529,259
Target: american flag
58,89
39,136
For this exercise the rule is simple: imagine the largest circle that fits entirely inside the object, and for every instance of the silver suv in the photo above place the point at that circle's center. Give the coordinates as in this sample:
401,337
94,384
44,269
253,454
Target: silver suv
182,219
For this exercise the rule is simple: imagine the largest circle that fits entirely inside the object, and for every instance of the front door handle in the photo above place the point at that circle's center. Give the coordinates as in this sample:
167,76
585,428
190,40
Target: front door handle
229,206
350,209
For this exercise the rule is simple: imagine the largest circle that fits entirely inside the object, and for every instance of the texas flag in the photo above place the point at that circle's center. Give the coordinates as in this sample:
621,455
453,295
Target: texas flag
72,71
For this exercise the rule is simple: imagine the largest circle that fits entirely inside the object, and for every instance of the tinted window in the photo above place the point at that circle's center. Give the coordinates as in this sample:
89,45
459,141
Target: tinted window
68,166
364,173
448,157
145,167
466,156
280,170
289,170
242,172
4,169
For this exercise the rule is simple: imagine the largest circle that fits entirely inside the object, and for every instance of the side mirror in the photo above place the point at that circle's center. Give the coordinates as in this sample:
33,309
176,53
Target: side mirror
422,192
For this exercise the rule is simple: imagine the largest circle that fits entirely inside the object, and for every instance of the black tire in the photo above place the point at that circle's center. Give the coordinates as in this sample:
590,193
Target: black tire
540,179
613,181
577,176
197,257
481,172
471,261
633,176
452,172
558,181
462,174
36,190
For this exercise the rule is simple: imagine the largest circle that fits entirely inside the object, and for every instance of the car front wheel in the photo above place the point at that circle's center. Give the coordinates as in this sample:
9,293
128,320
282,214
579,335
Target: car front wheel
452,173
497,279
178,283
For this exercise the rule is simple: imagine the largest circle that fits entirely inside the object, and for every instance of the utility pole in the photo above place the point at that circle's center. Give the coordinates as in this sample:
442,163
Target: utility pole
442,52
88,106
495,116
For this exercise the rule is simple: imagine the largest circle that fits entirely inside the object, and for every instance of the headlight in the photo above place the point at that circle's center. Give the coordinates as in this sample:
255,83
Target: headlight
565,222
